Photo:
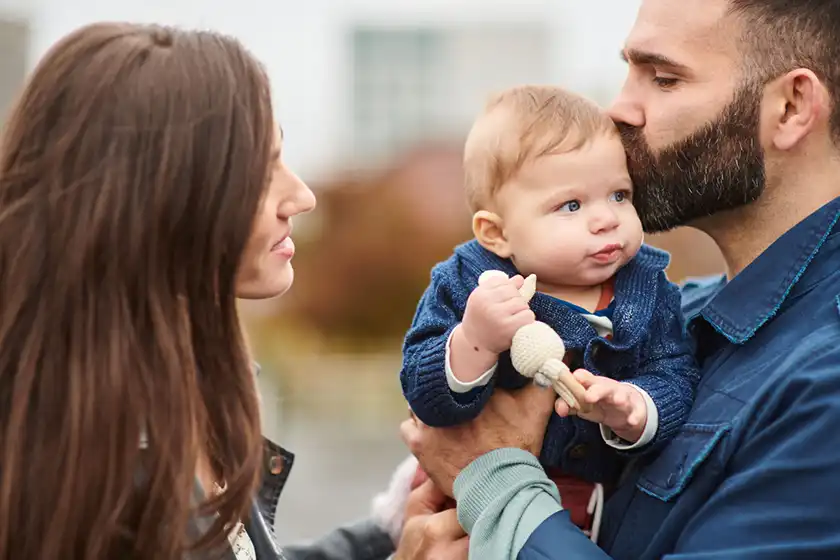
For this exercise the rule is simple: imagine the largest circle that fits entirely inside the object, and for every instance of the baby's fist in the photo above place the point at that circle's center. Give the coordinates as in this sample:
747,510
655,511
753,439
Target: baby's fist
495,311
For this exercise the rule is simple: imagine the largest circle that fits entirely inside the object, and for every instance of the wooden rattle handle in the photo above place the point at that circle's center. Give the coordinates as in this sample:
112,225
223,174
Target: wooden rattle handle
569,388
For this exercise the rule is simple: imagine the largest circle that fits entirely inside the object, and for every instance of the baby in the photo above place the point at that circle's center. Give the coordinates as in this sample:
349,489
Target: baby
547,180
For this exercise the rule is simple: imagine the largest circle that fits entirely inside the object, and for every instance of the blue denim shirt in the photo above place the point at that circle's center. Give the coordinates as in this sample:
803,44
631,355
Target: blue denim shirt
649,348
755,471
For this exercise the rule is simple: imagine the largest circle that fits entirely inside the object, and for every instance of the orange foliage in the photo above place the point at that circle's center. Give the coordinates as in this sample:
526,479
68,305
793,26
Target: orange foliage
361,276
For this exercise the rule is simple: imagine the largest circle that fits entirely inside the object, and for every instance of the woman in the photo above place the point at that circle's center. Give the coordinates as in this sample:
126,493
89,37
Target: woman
142,191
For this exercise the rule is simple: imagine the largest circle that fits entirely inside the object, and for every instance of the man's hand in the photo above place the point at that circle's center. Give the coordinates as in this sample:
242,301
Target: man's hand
510,419
619,406
429,533
495,311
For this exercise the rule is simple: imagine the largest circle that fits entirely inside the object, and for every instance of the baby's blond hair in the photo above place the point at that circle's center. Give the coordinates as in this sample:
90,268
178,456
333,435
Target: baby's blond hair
519,125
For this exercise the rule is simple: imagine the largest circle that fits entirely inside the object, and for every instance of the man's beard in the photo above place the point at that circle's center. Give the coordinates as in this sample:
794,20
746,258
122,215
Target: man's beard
719,167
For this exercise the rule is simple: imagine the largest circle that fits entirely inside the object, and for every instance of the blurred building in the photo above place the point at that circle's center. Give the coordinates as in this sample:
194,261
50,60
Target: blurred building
358,80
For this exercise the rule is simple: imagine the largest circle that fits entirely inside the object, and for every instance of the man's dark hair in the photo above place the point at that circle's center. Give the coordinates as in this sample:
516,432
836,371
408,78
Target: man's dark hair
782,35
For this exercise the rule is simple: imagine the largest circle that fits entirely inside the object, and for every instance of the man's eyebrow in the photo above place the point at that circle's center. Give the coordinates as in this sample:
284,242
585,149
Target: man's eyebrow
638,57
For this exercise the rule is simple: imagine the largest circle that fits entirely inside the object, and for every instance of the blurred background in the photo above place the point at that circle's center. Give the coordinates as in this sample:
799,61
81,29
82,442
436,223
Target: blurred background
375,98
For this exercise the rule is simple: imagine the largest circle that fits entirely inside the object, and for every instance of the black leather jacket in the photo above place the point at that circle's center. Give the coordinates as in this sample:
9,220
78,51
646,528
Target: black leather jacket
362,541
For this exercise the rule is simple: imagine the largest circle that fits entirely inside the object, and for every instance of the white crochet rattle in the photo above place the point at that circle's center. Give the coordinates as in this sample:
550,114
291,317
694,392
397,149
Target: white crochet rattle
537,352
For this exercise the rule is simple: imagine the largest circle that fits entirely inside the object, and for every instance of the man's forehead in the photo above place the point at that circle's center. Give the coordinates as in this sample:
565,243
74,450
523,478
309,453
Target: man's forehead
681,28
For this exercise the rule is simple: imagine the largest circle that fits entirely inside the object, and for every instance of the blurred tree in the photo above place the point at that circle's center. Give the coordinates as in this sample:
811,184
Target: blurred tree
362,273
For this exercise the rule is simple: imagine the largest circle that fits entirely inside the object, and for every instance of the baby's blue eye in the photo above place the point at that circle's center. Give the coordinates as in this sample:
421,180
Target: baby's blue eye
619,196
571,206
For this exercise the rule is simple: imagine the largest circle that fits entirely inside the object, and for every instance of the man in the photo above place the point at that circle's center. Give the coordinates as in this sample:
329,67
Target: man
731,119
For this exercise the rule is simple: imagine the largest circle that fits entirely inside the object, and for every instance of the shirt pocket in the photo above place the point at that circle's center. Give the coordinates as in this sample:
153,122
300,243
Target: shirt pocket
670,473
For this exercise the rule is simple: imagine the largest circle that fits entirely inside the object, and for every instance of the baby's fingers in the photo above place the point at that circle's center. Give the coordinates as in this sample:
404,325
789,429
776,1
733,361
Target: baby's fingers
599,393
561,408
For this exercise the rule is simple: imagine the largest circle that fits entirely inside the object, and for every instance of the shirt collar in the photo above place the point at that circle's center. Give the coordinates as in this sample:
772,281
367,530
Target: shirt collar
755,295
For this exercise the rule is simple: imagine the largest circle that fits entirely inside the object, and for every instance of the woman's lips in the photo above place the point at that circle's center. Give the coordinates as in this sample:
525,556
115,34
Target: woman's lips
284,248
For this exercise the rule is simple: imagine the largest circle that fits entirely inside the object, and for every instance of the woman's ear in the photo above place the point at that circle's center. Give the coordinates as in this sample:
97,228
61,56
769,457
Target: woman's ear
488,229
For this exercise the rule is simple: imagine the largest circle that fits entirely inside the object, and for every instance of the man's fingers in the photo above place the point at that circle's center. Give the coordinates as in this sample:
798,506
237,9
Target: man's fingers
460,549
419,478
426,499
444,526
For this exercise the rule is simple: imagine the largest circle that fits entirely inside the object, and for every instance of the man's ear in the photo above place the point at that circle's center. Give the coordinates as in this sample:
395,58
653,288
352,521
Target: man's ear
796,104
488,229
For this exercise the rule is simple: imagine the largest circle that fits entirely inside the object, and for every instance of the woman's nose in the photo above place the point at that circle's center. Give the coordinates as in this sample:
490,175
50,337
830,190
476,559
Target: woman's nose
302,200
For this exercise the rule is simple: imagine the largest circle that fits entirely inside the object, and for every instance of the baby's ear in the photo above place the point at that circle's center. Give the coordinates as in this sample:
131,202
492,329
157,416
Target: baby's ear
488,229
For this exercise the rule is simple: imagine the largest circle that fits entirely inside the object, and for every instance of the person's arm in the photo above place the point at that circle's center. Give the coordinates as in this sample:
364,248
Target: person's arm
365,540
504,496
668,375
372,539
424,379
511,510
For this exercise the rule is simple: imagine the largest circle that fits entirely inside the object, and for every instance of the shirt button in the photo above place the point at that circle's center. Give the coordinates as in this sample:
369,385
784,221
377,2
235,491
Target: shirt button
579,451
275,465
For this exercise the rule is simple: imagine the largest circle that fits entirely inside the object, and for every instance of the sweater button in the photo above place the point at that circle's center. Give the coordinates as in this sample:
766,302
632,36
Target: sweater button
579,451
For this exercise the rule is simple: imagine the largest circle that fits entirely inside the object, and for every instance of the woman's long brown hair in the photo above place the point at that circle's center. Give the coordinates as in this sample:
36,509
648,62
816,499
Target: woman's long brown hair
131,169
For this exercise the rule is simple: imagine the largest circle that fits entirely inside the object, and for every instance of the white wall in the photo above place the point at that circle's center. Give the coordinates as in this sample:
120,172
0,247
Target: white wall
302,42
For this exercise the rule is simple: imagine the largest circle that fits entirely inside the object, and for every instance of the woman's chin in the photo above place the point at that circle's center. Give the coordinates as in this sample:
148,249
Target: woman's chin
269,286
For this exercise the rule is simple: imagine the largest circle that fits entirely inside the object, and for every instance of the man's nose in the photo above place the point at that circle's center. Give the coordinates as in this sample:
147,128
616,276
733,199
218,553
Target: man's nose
625,109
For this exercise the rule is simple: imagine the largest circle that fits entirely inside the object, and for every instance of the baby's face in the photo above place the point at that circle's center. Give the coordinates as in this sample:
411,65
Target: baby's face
569,218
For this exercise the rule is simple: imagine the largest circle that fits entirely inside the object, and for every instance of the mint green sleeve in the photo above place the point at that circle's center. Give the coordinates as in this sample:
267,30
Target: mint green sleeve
503,497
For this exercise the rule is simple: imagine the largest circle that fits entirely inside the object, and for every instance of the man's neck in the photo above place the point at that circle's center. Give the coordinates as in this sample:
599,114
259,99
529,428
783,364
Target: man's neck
743,234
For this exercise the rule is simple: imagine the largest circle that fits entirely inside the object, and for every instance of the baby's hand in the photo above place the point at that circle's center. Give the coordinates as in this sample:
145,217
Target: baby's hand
495,311
619,406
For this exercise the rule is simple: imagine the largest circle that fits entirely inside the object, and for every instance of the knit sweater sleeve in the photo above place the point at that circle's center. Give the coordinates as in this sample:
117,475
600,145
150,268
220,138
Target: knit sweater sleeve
511,510
668,372
423,374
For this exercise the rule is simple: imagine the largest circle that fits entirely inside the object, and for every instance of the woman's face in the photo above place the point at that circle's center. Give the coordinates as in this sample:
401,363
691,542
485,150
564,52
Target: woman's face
266,267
